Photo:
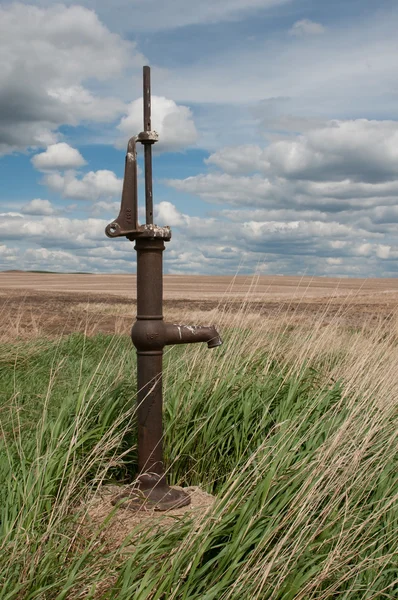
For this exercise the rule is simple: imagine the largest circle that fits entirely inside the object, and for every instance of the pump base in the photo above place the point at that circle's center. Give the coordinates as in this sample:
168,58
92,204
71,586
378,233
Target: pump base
151,493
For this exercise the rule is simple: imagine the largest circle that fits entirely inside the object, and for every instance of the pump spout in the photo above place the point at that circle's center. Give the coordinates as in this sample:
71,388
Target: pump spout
190,334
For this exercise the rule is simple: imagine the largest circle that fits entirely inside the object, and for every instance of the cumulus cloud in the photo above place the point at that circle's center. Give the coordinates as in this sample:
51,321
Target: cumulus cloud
38,207
103,207
174,123
294,230
47,57
157,15
205,245
91,186
51,231
383,251
359,150
61,244
225,188
318,195
341,167
306,27
58,156
5,251
325,198
262,192
271,214
167,214
63,260
214,245
58,260
239,159
11,215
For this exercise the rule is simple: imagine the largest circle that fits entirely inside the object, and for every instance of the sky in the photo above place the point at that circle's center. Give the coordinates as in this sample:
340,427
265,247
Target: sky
277,122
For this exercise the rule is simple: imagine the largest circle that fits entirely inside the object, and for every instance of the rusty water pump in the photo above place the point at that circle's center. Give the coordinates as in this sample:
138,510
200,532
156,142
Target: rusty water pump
150,333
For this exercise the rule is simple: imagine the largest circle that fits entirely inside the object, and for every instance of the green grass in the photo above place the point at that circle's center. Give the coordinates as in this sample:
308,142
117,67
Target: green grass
295,433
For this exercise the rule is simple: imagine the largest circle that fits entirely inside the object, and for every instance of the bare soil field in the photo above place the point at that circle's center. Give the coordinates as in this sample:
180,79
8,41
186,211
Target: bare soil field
35,303
201,287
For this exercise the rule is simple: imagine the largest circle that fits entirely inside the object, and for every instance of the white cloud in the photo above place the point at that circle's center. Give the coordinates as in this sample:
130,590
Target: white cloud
46,57
239,159
349,70
58,156
344,167
156,15
91,186
313,187
208,245
297,229
56,259
58,232
203,245
326,198
271,214
306,27
364,249
225,188
167,214
280,194
81,105
103,207
173,123
38,207
383,251
5,251
12,215
356,150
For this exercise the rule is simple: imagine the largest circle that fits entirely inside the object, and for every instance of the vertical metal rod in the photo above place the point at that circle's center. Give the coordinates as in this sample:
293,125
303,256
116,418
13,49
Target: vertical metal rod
148,146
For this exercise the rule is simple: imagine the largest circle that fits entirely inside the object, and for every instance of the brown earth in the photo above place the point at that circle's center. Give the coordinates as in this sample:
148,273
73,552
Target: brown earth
200,287
121,522
49,304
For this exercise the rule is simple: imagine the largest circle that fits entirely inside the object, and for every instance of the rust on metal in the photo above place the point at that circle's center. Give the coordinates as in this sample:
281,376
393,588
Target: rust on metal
127,221
150,334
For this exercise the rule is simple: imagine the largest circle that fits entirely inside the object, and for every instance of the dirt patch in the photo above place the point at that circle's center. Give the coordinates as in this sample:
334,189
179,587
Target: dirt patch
121,522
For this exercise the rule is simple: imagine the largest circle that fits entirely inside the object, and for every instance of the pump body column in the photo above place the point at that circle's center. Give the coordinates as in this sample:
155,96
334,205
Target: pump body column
149,354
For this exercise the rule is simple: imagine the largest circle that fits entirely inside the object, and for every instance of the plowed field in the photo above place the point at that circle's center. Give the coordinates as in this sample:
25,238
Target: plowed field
35,304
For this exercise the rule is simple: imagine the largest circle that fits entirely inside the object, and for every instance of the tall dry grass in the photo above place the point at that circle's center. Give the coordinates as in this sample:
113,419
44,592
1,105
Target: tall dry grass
292,424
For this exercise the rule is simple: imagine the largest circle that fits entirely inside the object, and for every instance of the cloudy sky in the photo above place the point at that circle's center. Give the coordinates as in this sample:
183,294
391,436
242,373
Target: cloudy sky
278,123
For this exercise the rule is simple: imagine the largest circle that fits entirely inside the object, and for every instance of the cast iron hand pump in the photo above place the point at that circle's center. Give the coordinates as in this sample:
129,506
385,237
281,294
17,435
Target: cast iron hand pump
150,333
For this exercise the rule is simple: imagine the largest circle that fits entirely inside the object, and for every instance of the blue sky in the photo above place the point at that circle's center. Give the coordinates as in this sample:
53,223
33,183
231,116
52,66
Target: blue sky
278,123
